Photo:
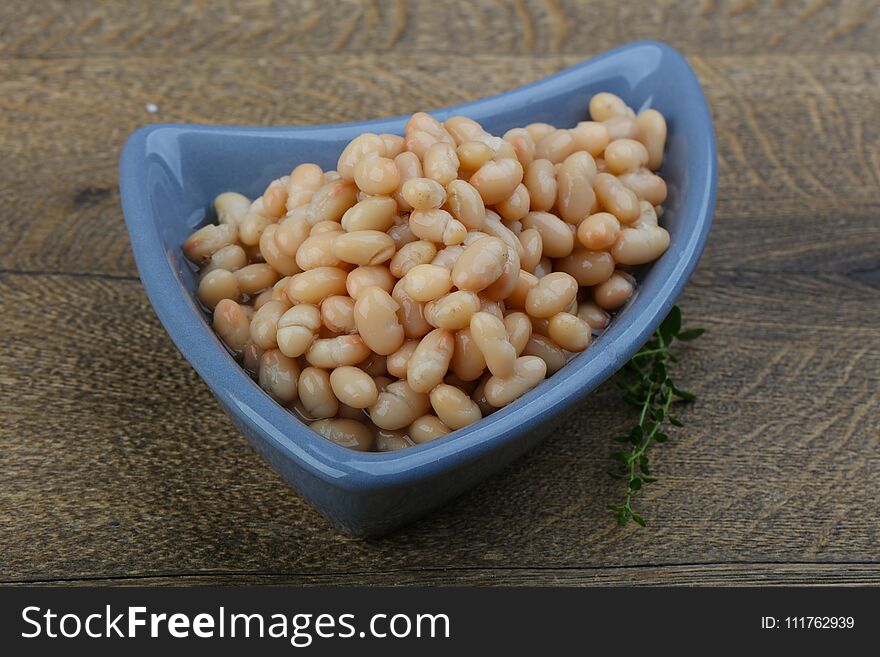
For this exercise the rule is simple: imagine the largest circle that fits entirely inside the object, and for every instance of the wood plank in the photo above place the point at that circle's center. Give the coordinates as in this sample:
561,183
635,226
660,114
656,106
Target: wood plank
133,471
118,466
703,574
798,180
59,28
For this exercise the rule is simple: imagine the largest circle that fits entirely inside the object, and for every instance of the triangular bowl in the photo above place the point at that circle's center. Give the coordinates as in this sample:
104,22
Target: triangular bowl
169,174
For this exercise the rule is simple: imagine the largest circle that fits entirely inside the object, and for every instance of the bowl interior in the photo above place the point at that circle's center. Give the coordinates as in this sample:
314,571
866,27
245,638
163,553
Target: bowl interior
171,173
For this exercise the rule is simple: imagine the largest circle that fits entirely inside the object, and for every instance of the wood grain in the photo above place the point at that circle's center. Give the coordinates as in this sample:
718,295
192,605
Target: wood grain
61,28
118,466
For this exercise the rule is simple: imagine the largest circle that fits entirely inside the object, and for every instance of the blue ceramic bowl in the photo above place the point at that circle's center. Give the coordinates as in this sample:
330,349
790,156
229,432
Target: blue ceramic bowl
169,175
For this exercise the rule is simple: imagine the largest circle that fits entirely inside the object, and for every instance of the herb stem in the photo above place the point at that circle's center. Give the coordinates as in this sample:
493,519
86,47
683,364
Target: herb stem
654,392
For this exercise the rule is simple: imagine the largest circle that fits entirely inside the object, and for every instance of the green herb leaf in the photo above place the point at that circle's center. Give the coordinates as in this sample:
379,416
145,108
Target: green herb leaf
683,394
670,326
650,389
690,334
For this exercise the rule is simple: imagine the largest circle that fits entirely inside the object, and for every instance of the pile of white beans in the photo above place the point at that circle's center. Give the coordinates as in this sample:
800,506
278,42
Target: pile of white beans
435,277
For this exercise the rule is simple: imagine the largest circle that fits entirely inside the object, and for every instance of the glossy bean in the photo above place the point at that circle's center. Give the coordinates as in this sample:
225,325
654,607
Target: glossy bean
392,441
646,186
598,231
409,166
452,311
328,353
423,193
441,163
651,128
494,227
448,256
303,182
533,248
557,239
278,375
540,181
517,298
398,406
411,314
621,127
230,258
496,180
516,206
551,295
569,332
251,227
346,433
528,371
356,150
426,428
542,347
397,362
331,201
519,329
430,361
472,155
466,204
337,314
590,136
593,315
427,282
605,105
555,146
232,324
217,285
316,394
587,267
375,315
364,247
480,265
437,226
421,252
255,278
523,145
640,244
377,175
297,329
367,276
353,387
616,198
231,207
538,131
454,408
463,129
209,239
315,285
614,292
507,281
624,155
374,213
264,324
394,144
292,231
490,337
575,196
468,362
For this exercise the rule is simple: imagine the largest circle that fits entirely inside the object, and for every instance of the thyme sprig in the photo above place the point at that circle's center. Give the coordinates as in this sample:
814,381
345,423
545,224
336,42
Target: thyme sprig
647,385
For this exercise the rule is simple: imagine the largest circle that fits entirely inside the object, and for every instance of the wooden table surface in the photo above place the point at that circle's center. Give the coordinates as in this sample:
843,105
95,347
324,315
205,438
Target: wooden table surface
117,465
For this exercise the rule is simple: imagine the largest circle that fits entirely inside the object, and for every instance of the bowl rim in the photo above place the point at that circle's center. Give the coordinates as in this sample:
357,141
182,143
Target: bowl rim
374,470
